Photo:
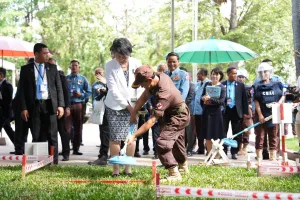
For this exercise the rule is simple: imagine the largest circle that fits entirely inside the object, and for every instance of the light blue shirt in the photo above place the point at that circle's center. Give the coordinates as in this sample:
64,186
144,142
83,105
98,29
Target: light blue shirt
80,84
196,106
97,85
180,79
231,93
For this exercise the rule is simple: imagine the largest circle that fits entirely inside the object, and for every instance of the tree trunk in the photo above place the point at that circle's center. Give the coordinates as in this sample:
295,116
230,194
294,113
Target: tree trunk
296,33
233,16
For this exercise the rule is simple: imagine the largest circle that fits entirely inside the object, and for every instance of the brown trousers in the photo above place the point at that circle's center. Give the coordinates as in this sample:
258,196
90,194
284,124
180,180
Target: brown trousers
75,119
171,142
261,131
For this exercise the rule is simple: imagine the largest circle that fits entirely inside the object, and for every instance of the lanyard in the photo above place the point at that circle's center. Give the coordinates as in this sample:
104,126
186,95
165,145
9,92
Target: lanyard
39,73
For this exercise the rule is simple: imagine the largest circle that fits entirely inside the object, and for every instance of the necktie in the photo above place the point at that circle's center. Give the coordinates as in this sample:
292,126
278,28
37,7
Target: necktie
230,94
39,82
201,83
170,74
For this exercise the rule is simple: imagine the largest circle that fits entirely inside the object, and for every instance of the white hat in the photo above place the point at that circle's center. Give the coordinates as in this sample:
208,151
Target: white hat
242,72
264,66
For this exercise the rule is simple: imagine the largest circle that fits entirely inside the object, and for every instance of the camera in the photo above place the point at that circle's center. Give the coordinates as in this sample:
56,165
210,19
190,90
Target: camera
292,94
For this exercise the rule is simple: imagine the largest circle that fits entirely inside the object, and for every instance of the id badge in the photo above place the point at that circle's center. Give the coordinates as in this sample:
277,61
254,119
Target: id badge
229,101
1,95
43,88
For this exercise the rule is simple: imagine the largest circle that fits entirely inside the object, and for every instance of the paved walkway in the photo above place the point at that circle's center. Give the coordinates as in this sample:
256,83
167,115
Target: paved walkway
90,151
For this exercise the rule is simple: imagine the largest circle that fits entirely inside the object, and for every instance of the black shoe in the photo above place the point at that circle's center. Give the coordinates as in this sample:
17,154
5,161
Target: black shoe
137,154
77,153
128,174
60,153
234,157
189,154
66,158
81,144
98,146
12,152
266,156
146,153
115,175
100,161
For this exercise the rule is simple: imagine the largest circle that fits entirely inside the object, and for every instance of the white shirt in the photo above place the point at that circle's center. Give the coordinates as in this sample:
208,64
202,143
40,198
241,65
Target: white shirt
45,94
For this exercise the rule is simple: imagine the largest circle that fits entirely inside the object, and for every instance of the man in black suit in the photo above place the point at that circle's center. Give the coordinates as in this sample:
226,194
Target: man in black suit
61,123
21,127
236,106
6,92
41,97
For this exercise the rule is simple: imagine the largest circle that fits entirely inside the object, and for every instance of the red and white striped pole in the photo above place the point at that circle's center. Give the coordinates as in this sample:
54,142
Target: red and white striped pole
284,153
154,171
157,187
52,153
23,167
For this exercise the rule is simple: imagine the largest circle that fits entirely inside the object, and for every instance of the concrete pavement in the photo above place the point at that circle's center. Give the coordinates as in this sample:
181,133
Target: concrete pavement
90,151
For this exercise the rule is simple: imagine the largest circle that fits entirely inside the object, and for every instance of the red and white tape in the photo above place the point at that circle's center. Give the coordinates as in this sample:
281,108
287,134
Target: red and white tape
11,157
165,190
19,158
35,166
282,169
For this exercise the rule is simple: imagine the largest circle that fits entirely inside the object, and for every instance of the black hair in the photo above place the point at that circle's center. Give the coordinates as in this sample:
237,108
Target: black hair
172,54
203,71
184,69
121,46
267,60
3,71
30,60
74,61
38,47
229,69
217,70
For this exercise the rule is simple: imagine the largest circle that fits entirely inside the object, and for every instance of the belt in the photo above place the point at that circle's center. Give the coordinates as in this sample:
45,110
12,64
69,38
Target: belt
72,103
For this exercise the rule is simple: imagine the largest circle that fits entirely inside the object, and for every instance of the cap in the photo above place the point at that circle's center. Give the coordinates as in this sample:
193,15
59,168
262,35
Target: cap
142,73
243,72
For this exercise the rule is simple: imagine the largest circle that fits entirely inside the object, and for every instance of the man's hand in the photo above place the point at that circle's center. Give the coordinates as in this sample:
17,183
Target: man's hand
25,115
76,94
59,112
130,139
67,112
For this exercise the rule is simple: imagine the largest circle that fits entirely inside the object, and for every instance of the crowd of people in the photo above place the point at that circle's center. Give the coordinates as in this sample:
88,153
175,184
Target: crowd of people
183,116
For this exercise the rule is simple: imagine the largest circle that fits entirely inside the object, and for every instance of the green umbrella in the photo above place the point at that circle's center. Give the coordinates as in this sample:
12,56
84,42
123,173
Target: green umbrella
213,51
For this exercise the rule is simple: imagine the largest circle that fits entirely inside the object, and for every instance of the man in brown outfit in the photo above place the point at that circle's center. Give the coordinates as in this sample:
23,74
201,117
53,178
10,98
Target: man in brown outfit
172,114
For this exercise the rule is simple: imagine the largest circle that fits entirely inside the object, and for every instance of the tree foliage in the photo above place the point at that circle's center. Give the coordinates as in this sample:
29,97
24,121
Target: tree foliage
84,30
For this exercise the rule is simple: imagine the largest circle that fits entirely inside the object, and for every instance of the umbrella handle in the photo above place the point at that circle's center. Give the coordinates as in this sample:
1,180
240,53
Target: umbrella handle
250,127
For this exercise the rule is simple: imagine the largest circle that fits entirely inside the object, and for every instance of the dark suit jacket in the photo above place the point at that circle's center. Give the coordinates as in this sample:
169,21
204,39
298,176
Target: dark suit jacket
241,101
5,103
65,88
27,87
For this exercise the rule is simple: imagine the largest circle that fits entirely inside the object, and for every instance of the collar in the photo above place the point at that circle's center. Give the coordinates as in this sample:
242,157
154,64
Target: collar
230,83
177,69
2,81
38,64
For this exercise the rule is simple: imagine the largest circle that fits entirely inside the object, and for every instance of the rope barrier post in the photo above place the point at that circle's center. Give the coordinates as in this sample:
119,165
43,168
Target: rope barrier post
153,171
24,159
157,187
52,154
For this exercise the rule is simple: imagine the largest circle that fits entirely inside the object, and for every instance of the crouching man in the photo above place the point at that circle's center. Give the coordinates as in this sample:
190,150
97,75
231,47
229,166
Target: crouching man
173,116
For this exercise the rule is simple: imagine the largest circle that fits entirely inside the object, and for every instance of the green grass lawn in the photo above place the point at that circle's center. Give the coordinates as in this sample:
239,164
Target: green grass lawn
44,183
292,144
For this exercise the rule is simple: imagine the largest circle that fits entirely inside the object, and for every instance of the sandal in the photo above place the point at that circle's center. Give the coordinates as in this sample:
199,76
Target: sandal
115,175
